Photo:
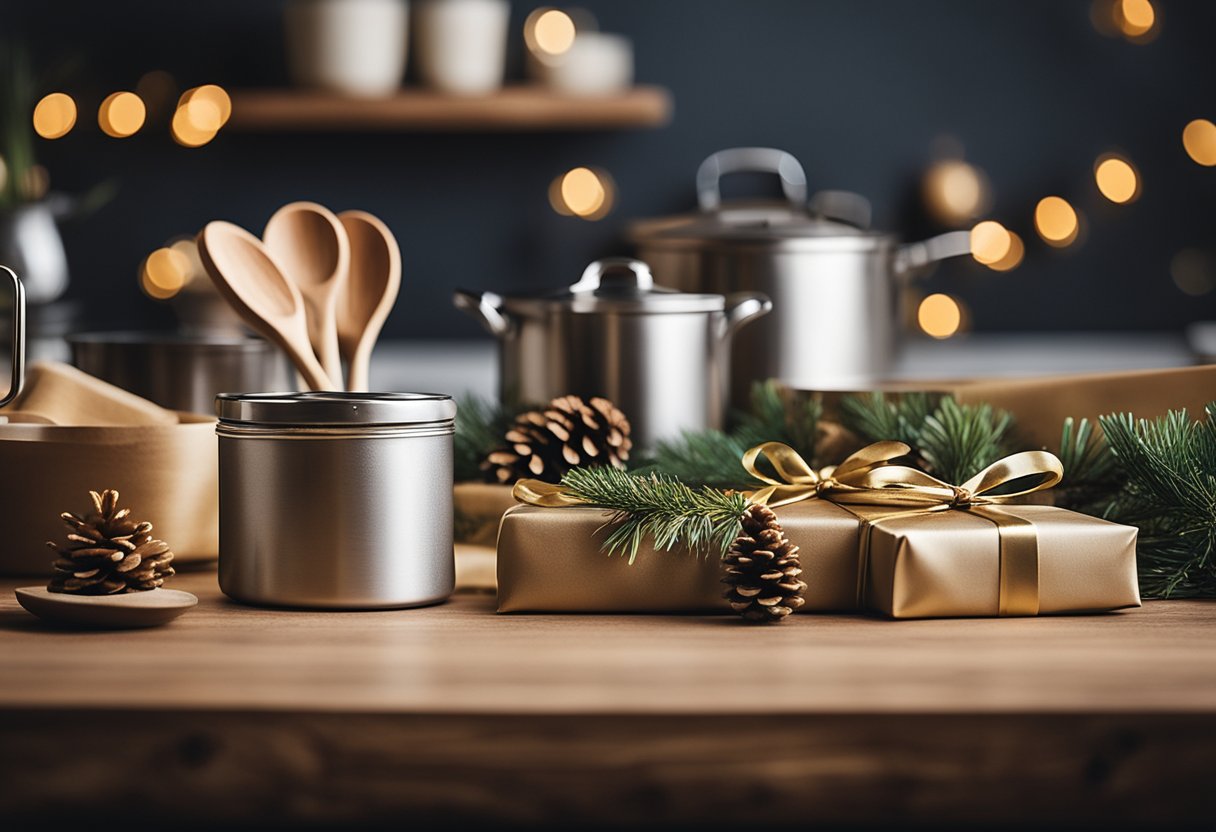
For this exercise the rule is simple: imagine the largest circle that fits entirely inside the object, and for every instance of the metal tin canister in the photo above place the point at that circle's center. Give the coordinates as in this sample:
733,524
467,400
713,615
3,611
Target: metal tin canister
336,500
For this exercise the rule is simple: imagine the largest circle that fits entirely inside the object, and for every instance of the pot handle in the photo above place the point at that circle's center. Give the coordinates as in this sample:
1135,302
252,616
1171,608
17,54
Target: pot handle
753,160
742,307
593,275
842,206
17,379
486,307
911,257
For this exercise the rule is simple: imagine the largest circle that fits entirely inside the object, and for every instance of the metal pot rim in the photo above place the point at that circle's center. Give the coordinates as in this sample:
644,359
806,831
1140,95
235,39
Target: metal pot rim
128,339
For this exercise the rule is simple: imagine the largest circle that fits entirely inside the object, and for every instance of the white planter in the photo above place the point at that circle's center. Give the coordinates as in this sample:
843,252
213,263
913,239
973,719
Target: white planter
353,47
460,46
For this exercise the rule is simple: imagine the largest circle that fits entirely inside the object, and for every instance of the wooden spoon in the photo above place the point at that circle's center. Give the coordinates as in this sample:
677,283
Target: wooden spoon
249,280
371,291
312,251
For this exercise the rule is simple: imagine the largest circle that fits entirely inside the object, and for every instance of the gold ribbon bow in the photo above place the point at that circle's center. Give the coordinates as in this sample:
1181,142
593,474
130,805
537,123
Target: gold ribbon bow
545,494
799,481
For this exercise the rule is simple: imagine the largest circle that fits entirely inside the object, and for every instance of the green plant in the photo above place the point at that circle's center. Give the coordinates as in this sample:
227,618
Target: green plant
1169,466
480,426
16,130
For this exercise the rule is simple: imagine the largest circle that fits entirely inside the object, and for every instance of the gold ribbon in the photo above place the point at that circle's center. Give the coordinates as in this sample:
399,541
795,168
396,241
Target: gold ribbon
545,494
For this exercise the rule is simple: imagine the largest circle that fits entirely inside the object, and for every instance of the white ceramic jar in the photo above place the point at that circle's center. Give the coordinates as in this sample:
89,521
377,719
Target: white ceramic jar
460,46
352,47
597,63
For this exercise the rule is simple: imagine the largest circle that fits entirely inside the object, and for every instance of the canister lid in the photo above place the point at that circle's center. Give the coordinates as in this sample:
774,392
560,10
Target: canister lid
617,284
336,408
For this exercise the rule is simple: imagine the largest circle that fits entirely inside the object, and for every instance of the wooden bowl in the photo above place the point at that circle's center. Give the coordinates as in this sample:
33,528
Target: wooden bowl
166,474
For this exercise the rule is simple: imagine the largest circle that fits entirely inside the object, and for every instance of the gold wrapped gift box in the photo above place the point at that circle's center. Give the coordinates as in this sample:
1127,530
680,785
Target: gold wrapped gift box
872,535
920,565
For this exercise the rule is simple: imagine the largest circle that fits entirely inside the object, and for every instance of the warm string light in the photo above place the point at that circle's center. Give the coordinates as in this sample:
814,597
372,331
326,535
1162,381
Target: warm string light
1013,257
1199,141
1056,221
121,114
955,192
164,273
1134,20
54,115
583,192
939,316
549,33
200,114
1117,179
990,242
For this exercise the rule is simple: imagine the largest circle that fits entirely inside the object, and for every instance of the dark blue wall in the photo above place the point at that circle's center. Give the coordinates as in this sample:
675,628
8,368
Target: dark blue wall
857,89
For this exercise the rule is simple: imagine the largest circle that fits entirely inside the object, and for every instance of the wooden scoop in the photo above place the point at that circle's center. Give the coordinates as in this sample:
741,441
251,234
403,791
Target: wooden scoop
249,280
310,247
371,291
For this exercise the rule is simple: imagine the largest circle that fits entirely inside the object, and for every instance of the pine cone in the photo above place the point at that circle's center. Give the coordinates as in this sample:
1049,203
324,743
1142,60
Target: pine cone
107,552
762,569
566,434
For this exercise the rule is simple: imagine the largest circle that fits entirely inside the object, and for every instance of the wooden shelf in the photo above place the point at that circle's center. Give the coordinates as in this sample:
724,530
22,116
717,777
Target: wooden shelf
519,108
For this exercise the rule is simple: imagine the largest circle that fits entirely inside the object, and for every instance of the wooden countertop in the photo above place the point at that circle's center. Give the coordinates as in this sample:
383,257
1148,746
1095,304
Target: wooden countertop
553,718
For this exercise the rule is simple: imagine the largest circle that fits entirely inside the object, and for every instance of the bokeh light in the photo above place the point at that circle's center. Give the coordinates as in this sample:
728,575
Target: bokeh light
990,242
209,106
1135,17
55,115
955,192
164,273
1199,139
1193,271
184,130
583,192
939,316
121,114
1013,257
549,32
1056,221
1117,179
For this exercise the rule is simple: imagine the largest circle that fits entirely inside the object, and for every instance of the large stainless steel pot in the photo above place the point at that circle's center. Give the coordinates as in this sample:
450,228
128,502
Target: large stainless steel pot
834,285
660,355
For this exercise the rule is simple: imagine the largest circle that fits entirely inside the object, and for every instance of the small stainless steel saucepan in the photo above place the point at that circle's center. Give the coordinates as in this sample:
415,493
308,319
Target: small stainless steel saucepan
660,355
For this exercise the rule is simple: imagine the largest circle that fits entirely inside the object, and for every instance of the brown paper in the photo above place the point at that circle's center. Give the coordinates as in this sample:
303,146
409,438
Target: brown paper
948,564
550,560
166,474
479,508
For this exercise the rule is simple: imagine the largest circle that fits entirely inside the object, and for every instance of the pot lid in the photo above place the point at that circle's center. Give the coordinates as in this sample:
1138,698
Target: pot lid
616,284
336,408
831,219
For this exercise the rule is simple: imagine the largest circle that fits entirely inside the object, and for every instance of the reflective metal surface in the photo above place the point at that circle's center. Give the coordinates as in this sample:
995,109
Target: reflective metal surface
351,517
835,287
182,372
12,298
661,356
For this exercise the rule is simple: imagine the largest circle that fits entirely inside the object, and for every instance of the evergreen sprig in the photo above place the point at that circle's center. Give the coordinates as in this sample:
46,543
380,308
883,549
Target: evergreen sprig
712,457
480,426
1170,494
1091,472
950,440
659,507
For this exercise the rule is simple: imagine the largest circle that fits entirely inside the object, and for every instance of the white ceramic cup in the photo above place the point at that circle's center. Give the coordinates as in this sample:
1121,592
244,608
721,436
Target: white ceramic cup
460,46
353,47
597,63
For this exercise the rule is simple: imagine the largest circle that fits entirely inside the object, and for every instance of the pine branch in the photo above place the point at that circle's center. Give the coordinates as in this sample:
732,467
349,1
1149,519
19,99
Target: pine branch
480,426
659,507
778,414
708,457
1170,494
1091,473
958,440
877,418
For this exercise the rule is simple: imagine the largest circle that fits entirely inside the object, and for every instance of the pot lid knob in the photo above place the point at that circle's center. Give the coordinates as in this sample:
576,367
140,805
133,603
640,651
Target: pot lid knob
593,276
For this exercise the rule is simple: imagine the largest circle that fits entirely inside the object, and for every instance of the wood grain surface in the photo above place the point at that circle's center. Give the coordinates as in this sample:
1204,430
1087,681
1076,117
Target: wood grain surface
455,716
513,108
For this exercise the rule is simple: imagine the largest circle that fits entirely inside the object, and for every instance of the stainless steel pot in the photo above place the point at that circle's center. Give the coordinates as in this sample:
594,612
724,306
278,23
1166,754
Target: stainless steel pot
182,372
834,285
336,500
660,355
